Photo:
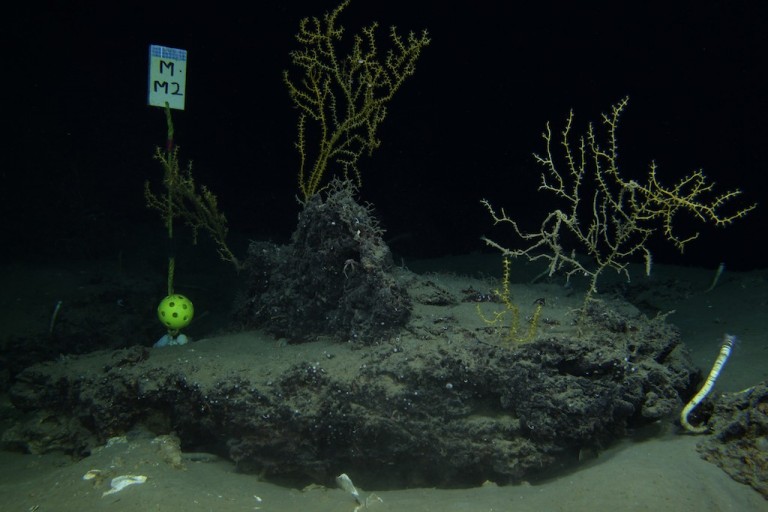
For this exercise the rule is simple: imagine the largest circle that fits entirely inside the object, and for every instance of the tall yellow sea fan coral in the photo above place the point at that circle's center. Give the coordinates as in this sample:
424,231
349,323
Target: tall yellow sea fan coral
343,99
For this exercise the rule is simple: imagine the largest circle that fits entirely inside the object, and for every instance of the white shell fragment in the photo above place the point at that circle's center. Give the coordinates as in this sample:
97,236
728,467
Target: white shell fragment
121,482
92,474
345,483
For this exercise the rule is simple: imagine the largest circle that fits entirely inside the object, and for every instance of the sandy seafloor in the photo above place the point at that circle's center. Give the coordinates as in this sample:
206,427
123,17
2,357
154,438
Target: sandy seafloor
658,469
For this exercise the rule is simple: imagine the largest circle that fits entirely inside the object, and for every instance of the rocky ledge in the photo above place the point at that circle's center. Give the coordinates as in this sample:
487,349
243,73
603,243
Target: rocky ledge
444,403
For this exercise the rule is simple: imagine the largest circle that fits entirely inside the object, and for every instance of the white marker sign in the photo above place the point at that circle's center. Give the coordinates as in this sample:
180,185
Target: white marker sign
167,76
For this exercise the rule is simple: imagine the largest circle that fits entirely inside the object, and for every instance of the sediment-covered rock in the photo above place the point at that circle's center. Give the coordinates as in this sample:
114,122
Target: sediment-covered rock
442,404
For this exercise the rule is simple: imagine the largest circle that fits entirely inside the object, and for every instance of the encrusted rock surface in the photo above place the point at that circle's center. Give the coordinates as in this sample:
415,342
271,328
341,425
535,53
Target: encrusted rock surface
335,277
739,440
441,403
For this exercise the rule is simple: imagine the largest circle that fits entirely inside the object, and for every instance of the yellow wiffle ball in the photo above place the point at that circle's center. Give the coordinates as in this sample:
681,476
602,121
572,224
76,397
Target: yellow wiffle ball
175,311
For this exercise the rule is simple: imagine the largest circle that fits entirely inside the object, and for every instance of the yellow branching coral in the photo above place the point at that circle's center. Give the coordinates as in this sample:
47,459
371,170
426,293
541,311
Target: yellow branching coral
344,97
509,317
199,209
610,217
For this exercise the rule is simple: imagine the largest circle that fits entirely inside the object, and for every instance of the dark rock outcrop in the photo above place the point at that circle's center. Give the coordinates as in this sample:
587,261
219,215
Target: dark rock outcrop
443,407
333,279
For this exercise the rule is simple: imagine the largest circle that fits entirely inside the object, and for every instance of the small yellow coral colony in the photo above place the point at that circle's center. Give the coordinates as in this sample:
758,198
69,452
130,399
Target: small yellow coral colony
342,99
198,209
511,310
609,217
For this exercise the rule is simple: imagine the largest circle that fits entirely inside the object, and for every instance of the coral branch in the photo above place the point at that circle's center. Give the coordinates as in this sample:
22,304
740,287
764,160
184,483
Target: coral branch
344,96
197,208
610,217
